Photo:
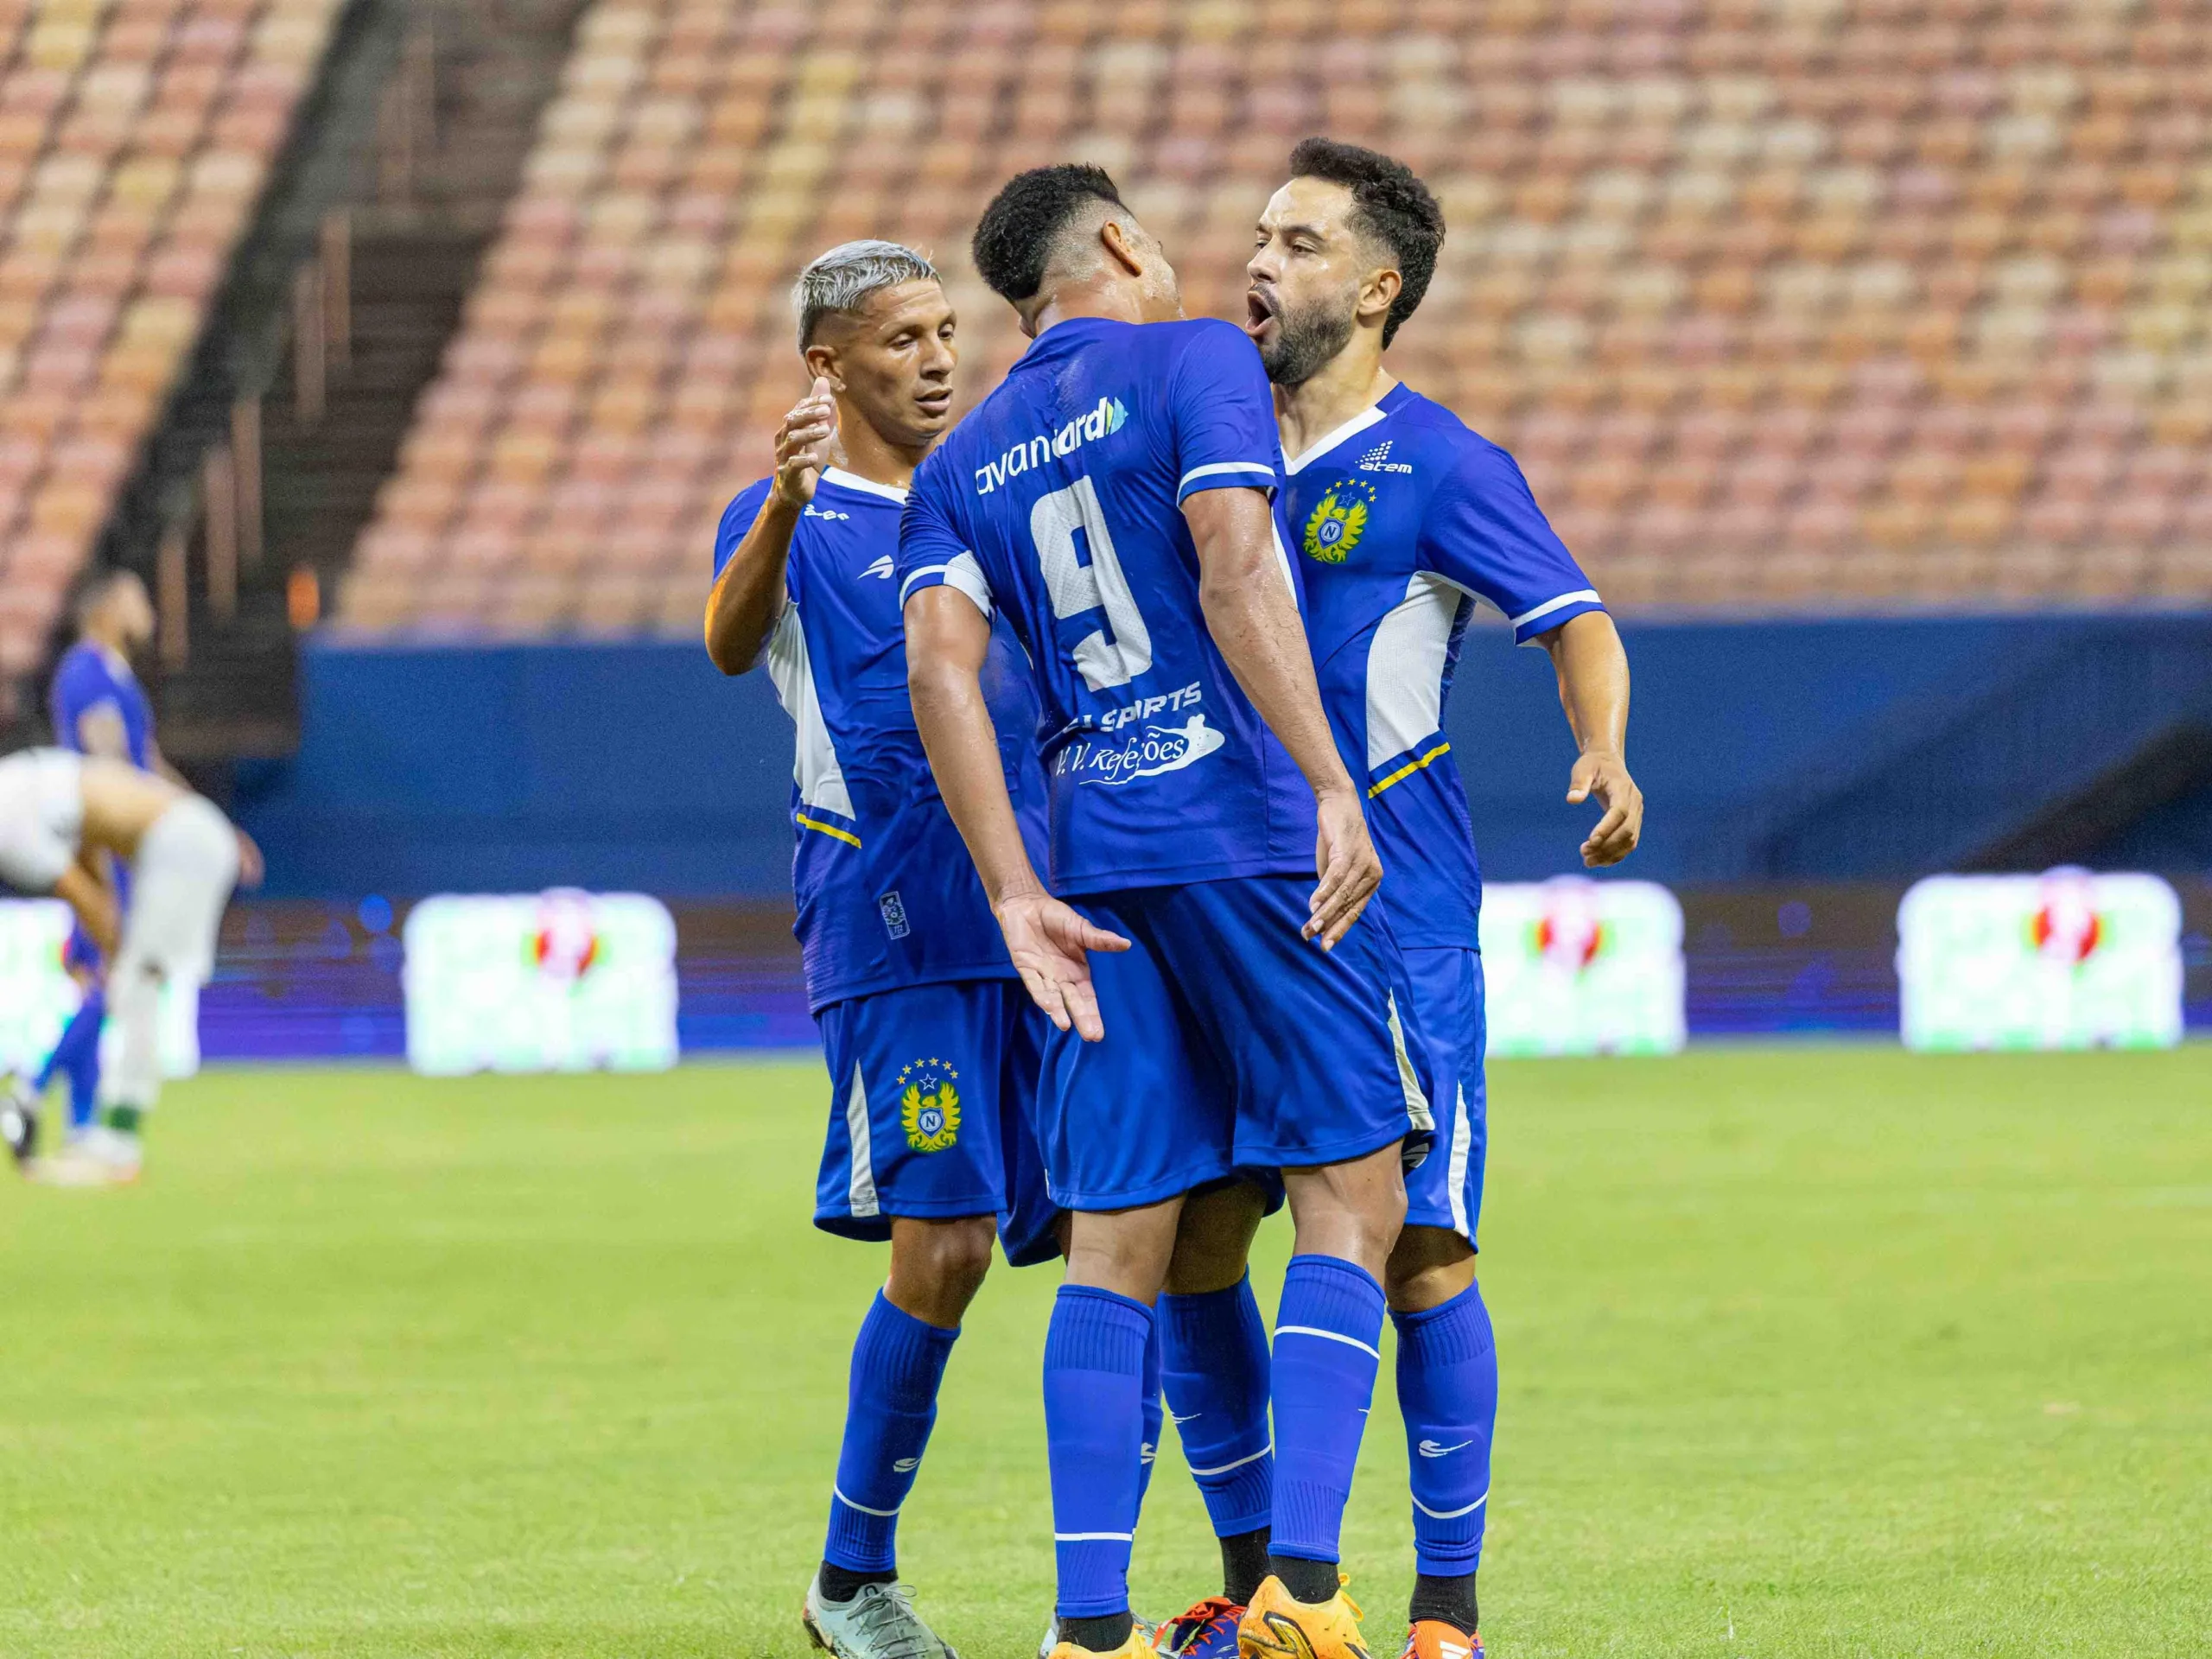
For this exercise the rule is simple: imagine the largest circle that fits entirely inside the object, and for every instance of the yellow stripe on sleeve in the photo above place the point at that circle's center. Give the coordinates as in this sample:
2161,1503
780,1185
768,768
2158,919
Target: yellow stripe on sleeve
847,835
1407,770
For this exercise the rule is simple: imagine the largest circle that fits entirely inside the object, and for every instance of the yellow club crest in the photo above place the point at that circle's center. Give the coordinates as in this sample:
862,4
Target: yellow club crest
1338,521
929,1111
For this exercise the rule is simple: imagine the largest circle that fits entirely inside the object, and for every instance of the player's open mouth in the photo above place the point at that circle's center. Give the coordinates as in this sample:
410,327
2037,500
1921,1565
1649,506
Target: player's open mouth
935,403
1261,310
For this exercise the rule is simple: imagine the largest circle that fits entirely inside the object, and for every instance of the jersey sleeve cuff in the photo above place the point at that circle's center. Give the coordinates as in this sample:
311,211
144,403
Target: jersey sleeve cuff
1226,475
963,575
1553,612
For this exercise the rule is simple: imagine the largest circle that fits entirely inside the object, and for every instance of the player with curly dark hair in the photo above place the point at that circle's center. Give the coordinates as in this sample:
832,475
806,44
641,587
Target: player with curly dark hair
1402,518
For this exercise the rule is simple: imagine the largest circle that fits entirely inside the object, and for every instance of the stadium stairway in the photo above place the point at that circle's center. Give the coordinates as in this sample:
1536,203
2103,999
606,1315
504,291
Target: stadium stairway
190,517
334,315
2076,744
405,245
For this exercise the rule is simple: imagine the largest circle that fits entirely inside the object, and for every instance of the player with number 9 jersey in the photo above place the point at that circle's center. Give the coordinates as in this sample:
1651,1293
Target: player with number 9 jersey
1216,1011
1059,501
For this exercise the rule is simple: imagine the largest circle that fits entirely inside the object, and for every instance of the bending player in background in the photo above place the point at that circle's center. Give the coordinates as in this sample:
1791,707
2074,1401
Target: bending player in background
1112,498
98,708
932,1046
1403,518
60,814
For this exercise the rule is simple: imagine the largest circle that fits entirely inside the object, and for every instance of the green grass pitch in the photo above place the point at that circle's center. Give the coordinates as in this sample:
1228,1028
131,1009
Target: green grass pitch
1806,1351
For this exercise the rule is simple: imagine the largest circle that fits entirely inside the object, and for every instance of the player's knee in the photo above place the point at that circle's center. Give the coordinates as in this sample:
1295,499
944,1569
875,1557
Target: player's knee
1214,1239
1383,1219
1428,1267
937,1267
1126,1251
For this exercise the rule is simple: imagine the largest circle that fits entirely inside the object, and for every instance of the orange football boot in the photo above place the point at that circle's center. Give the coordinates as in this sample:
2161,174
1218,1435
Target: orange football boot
1277,1626
1138,1646
1432,1638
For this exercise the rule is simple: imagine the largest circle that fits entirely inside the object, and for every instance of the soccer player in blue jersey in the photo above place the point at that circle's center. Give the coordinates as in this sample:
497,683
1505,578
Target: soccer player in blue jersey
933,1045
1214,1008
1403,519
98,707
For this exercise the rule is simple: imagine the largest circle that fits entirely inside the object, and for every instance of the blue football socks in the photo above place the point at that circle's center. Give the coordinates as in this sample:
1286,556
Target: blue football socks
1215,1371
1154,1414
898,1362
77,1056
1326,1353
1094,1428
1447,1392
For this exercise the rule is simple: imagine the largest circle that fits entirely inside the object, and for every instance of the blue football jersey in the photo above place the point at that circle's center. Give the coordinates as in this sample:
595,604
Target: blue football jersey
88,677
888,895
1404,518
1057,503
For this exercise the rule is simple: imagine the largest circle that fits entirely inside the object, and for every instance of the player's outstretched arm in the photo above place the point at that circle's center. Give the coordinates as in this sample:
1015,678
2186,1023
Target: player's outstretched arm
946,640
748,595
1593,671
1255,623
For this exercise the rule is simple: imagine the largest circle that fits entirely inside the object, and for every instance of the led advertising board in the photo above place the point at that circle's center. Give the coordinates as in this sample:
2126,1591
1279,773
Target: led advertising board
2061,960
563,981
1573,966
38,994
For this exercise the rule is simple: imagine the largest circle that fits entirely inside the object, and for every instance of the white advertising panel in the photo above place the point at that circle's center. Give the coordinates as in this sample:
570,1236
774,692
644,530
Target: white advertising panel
37,994
1573,966
2061,960
563,981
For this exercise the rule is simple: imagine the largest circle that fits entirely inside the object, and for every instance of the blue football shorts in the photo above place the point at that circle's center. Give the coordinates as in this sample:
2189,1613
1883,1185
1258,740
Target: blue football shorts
1230,1043
932,1089
1446,1190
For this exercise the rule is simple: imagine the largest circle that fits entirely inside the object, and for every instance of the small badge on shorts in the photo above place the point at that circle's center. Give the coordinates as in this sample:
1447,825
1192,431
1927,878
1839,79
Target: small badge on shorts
929,1105
894,914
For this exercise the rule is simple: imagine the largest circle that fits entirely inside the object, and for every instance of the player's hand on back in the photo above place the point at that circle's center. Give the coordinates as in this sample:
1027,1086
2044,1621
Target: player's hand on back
1606,776
803,445
1345,861
1051,945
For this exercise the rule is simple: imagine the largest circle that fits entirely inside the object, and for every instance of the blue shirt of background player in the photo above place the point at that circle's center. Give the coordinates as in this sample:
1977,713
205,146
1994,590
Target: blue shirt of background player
1056,504
88,677
1403,518
888,895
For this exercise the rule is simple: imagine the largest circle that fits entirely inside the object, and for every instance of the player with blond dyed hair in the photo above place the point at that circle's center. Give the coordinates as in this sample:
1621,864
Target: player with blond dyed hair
932,1046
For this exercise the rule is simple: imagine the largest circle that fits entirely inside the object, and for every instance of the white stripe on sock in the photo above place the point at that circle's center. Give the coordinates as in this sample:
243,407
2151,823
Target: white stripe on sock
1224,1469
1282,1330
1094,1537
1452,1514
884,1515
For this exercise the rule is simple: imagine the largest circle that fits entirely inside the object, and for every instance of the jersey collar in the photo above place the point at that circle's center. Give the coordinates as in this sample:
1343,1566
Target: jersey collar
1382,407
845,480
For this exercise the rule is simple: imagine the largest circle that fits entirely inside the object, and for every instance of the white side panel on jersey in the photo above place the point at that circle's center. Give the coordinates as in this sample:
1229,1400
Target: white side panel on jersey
860,1185
1405,667
821,780
1282,559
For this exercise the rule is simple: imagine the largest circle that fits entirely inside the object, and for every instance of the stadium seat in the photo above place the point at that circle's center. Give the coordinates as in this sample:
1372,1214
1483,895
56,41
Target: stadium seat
1860,306
134,140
